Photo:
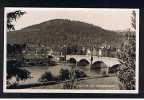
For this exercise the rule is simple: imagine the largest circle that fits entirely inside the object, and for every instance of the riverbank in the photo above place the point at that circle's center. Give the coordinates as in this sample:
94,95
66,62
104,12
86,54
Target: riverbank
98,83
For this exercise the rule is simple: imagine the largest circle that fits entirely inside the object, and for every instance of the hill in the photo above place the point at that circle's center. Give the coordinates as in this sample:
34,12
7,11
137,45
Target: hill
57,32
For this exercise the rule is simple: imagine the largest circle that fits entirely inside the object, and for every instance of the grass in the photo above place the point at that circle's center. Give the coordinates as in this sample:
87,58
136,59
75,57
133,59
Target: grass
98,83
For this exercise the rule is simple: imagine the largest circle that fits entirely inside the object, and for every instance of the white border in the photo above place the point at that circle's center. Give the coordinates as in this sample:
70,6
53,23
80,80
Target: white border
72,91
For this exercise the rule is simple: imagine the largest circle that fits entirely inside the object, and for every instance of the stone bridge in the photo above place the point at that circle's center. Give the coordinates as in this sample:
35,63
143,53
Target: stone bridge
110,62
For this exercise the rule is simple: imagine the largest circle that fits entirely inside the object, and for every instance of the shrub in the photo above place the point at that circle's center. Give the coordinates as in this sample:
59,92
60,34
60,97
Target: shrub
14,70
47,76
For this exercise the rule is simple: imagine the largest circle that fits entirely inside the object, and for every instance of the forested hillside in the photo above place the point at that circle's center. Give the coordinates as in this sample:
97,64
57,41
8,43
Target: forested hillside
58,32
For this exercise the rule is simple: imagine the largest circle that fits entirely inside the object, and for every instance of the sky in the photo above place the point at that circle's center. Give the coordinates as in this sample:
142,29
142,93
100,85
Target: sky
111,19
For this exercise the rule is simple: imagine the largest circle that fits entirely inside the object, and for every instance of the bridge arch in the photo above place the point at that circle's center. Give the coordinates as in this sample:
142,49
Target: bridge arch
50,56
114,68
83,62
97,65
116,65
72,60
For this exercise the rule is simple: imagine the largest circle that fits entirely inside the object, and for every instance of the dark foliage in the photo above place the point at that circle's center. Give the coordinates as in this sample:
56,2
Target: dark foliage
13,16
127,57
14,49
13,66
14,70
64,75
47,76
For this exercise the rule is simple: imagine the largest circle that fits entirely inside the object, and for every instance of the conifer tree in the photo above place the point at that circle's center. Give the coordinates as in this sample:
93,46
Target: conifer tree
127,58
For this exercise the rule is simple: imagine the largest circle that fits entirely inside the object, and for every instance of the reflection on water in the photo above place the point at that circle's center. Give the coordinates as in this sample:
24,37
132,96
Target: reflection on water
37,71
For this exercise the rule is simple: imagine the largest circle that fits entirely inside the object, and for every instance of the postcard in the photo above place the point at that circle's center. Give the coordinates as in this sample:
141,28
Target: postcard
71,50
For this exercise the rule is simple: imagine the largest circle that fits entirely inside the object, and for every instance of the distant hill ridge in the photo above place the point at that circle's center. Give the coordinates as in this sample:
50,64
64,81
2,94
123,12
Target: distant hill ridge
58,32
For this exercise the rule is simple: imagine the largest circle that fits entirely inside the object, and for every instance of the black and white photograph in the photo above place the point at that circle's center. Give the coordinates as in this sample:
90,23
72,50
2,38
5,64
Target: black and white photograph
71,50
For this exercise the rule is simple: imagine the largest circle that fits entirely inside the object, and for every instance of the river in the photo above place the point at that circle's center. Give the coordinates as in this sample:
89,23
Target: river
37,71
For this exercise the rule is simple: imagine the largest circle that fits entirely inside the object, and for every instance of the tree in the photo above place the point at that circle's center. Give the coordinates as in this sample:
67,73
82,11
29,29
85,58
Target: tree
13,16
64,74
127,58
13,70
13,66
72,80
